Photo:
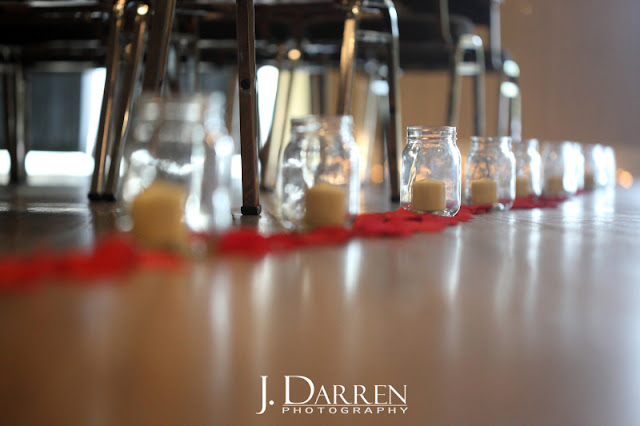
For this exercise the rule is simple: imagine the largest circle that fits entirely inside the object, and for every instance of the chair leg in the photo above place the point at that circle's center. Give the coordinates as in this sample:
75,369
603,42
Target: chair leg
106,112
509,102
475,43
245,35
394,131
15,95
274,146
455,88
318,92
347,58
159,34
516,115
125,103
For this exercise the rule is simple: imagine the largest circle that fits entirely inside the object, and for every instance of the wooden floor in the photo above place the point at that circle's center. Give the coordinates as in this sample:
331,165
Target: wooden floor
524,317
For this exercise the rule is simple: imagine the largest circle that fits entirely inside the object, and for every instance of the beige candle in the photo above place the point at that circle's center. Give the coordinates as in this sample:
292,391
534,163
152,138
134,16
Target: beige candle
523,187
157,215
429,195
484,191
325,205
554,185
589,182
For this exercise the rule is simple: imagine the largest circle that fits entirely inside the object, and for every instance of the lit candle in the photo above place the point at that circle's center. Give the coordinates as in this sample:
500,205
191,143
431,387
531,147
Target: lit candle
484,191
157,215
325,205
429,195
589,182
554,185
523,187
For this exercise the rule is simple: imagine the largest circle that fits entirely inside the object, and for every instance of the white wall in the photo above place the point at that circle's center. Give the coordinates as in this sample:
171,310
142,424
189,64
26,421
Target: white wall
580,65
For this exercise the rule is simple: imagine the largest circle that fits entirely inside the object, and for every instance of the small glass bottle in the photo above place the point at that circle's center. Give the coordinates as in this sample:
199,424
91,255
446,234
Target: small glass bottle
528,168
490,176
320,180
559,169
431,171
174,167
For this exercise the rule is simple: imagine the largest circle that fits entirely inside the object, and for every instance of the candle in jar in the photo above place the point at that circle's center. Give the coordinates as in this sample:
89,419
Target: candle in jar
429,195
157,214
325,205
554,185
484,191
523,187
589,182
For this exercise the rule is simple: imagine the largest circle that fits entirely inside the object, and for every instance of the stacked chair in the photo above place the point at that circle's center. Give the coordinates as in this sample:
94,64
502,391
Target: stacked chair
145,46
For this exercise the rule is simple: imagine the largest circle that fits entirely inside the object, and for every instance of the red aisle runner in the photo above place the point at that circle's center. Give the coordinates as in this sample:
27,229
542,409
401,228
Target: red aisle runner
117,254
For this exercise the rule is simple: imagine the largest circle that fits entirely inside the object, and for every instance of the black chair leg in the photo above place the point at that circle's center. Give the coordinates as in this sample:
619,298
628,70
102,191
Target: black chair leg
245,34
15,96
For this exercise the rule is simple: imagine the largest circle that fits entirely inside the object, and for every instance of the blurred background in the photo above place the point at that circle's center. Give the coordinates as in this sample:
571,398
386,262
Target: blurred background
578,60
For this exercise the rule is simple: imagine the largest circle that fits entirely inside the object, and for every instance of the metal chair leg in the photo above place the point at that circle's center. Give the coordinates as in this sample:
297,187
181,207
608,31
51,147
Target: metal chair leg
455,89
347,58
318,92
159,33
274,146
245,34
394,131
15,95
479,89
125,103
509,102
106,112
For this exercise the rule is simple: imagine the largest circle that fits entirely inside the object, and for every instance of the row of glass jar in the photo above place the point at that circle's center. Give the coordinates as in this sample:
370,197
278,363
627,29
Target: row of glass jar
498,170
320,184
179,154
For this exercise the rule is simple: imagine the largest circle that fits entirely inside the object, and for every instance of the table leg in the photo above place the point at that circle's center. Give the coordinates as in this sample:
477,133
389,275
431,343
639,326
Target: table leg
245,32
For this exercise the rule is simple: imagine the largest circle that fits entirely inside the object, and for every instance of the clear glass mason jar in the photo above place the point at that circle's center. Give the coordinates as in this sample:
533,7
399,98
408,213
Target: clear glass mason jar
431,171
177,163
490,175
578,165
528,168
559,170
320,182
593,175
609,166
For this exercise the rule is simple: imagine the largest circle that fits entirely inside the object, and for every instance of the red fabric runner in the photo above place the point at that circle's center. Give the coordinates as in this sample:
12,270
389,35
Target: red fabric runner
117,254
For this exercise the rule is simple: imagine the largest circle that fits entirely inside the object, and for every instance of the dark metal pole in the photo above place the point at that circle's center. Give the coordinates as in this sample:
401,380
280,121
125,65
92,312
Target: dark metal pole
245,32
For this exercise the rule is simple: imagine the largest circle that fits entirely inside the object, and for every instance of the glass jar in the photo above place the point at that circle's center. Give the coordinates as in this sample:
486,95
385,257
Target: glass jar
177,165
559,169
578,165
431,171
320,180
593,175
528,168
609,167
219,149
490,176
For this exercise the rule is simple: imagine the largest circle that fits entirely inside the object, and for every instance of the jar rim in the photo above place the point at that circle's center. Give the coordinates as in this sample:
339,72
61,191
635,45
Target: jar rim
431,132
